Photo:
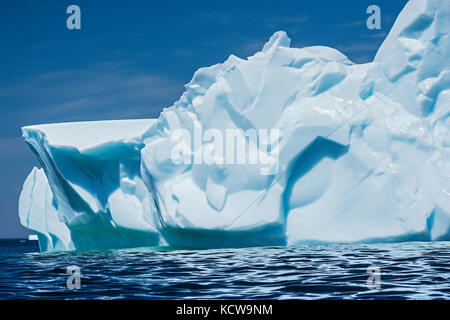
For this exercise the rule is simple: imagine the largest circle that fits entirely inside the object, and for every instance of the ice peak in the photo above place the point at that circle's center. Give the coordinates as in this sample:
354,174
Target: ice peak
278,39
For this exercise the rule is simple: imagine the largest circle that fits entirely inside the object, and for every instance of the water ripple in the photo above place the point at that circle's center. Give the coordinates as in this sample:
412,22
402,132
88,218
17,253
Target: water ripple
408,271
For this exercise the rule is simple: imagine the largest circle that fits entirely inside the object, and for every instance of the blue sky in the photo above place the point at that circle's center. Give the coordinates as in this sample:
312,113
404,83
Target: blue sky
132,58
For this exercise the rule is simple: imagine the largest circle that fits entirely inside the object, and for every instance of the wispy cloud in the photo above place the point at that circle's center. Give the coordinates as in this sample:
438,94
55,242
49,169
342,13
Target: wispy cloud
353,24
286,20
101,91
379,35
183,52
226,17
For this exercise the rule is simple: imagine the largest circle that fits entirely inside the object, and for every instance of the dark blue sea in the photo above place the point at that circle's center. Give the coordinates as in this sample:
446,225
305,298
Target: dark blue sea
415,270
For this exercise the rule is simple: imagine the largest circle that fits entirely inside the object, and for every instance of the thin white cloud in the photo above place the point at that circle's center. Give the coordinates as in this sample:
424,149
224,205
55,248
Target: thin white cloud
353,24
93,93
379,35
224,17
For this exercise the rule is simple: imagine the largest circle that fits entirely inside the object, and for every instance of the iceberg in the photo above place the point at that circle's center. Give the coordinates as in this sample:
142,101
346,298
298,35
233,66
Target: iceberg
89,193
356,153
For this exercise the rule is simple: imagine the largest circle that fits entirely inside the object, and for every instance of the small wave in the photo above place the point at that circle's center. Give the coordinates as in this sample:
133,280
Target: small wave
407,271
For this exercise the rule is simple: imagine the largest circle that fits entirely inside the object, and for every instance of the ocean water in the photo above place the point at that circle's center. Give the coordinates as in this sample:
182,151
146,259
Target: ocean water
415,270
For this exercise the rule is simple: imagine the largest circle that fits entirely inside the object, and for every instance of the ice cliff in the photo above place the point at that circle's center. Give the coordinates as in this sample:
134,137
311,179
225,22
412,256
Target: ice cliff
362,155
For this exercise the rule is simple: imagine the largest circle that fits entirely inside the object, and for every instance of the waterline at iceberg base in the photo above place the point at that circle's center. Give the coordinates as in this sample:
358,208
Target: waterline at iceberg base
364,153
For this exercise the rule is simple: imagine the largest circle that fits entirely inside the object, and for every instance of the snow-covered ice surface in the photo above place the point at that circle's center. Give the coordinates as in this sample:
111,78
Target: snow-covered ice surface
363,154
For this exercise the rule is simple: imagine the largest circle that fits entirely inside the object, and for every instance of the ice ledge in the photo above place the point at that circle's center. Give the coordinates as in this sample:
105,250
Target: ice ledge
90,134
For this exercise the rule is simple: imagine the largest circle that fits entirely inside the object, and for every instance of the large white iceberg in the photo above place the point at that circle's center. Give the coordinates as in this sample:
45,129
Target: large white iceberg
362,153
